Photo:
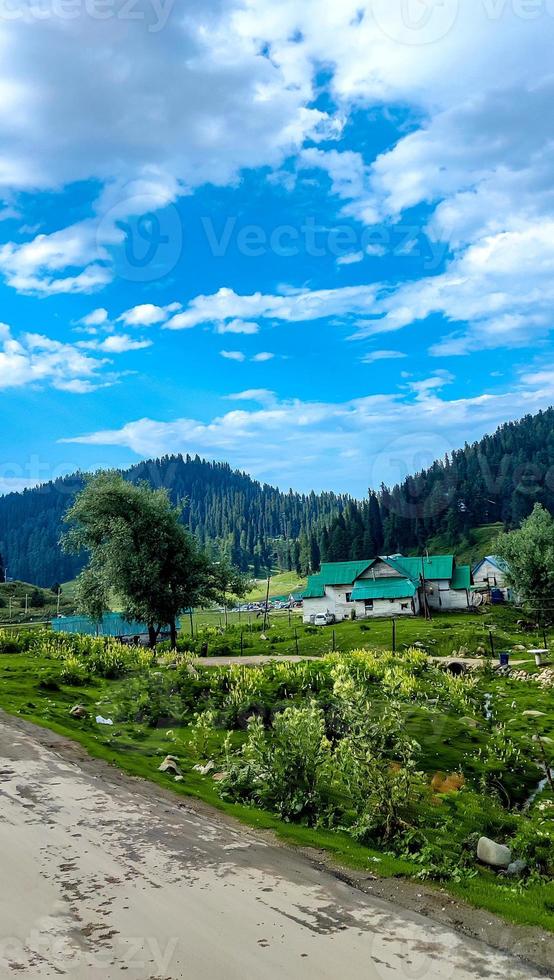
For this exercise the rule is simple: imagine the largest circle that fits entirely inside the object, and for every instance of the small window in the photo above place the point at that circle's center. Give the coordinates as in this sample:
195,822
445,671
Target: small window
369,604
404,605
349,597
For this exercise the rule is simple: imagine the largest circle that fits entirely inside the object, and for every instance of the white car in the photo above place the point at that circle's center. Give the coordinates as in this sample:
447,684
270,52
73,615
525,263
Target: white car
324,619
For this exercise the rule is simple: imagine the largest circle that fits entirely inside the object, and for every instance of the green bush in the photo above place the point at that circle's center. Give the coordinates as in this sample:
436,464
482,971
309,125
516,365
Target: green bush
287,770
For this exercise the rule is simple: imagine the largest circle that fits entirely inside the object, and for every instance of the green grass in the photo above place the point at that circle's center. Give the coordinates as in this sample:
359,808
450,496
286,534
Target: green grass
468,552
281,584
138,749
17,591
444,635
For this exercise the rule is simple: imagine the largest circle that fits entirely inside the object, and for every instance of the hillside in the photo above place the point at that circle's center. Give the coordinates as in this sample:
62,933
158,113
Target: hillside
458,504
21,602
255,524
492,483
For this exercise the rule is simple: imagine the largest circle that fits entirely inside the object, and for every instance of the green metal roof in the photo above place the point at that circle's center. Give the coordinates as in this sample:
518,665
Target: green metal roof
433,567
461,578
315,589
383,588
342,572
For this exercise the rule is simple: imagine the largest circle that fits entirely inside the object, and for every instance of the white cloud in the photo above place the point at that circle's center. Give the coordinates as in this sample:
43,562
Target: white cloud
238,326
261,395
292,306
33,359
147,314
503,286
233,355
263,356
409,429
96,318
382,355
351,258
116,343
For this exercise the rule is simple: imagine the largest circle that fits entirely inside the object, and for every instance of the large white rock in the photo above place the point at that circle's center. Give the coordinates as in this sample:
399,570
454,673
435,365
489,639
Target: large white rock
497,855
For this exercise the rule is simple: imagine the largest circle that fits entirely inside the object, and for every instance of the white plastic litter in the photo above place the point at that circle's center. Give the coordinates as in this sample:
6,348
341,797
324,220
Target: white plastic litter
103,721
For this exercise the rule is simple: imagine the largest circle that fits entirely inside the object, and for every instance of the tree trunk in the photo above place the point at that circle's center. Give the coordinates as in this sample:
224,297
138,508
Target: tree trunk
152,636
173,633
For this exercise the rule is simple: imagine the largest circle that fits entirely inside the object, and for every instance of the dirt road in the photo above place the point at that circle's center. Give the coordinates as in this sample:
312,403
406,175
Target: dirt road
103,876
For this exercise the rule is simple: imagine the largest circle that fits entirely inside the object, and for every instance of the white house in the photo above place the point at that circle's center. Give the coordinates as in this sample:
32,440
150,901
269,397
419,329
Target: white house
490,573
386,586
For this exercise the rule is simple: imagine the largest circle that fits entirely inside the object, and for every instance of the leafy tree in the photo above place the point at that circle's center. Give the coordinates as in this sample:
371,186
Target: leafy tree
529,553
92,595
136,538
37,599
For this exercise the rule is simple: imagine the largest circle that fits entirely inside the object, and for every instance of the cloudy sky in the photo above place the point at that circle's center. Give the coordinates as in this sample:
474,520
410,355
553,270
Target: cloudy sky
314,239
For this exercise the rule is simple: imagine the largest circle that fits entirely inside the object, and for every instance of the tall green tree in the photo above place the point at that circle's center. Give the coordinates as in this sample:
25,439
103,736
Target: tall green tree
139,548
92,594
529,553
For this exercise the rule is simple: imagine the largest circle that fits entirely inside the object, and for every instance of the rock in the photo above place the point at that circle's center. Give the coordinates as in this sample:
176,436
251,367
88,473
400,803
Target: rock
78,711
496,855
204,770
179,779
170,764
218,776
516,867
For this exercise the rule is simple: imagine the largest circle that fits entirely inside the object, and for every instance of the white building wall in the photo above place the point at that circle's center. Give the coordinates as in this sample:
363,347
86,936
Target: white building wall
387,608
491,576
311,607
441,596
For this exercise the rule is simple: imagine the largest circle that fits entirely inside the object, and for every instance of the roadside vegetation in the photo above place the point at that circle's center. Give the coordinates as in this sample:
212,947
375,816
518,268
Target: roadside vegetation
386,760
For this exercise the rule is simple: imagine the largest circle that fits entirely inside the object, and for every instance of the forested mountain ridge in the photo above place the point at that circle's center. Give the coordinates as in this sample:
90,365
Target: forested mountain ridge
255,524
497,479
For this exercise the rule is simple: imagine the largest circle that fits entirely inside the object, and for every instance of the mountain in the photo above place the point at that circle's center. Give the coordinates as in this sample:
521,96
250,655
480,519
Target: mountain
495,481
255,524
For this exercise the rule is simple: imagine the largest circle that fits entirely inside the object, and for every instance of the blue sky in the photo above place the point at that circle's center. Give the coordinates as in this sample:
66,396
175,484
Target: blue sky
315,240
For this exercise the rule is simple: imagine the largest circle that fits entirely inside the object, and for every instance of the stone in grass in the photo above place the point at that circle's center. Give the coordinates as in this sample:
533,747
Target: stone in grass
496,855
204,770
78,711
170,764
219,776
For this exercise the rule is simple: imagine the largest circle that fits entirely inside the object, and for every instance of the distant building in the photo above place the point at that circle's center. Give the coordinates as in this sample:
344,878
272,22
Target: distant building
387,586
489,575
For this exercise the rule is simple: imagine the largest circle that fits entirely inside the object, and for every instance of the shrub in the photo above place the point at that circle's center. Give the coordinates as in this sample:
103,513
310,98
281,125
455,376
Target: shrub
74,672
286,770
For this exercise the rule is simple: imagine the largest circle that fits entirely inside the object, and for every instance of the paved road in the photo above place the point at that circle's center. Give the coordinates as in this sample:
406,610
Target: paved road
102,876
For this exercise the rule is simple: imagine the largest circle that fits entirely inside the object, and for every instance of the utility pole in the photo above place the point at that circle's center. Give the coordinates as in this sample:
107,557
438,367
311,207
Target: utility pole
58,602
425,603
26,603
266,601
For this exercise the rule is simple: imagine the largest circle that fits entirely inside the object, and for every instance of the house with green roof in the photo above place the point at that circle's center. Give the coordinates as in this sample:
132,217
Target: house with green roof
387,586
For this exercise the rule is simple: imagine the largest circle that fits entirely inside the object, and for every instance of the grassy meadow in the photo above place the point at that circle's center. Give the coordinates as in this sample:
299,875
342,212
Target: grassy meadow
451,758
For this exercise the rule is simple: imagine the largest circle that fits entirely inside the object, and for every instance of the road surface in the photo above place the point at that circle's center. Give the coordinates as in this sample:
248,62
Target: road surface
103,876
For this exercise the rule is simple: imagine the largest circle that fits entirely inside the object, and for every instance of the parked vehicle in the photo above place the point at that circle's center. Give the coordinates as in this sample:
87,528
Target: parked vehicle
324,619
